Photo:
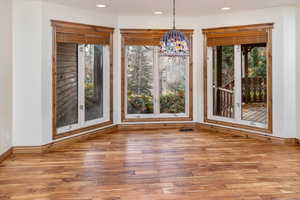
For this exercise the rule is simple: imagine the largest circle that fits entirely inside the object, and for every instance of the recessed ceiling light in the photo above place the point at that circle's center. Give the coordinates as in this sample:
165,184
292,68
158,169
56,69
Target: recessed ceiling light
100,6
158,13
226,8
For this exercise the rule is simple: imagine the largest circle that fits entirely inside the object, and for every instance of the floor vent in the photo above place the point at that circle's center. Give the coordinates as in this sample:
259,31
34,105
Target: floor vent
186,130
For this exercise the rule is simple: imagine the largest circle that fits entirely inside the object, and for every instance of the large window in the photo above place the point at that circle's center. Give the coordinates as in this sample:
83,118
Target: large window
238,77
156,88
140,87
81,79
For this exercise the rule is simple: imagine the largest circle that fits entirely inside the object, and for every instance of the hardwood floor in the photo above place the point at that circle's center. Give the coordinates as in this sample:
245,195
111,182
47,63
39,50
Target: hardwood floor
156,165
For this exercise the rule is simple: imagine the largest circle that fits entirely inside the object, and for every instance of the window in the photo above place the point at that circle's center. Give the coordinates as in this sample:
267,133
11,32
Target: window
140,97
81,79
238,77
155,87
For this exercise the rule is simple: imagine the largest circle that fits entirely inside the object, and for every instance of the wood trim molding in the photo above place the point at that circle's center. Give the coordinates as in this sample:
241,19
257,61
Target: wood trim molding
149,37
165,119
154,33
6,155
268,27
154,126
56,144
70,27
246,133
30,149
82,137
239,28
160,32
81,130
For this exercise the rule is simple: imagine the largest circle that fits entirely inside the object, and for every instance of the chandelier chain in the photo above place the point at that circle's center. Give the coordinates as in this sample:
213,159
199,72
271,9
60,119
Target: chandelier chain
174,14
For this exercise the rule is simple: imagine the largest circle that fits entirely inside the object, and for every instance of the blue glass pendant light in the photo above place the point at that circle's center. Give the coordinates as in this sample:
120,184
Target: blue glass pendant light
173,42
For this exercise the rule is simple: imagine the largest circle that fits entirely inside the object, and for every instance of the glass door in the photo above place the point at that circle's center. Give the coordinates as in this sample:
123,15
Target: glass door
222,81
237,91
254,84
67,86
93,92
89,96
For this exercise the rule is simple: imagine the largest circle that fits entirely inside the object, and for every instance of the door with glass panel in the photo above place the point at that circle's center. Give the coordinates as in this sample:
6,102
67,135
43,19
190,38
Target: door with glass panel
81,78
237,84
155,86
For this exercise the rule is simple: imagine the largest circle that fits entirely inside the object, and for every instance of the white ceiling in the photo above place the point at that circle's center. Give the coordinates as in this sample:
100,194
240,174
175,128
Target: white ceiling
184,7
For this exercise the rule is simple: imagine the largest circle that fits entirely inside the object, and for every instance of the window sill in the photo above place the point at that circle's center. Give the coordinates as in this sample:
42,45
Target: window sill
157,119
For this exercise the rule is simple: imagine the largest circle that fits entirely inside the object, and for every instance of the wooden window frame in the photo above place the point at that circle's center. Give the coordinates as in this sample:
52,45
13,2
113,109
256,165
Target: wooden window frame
152,37
267,27
89,33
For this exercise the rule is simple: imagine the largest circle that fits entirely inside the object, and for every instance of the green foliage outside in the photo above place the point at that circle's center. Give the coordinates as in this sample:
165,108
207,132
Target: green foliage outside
227,64
173,102
169,103
89,93
257,62
140,104
139,70
140,88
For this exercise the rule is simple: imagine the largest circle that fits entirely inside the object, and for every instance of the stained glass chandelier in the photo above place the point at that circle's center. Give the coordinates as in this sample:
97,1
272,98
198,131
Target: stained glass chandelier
174,43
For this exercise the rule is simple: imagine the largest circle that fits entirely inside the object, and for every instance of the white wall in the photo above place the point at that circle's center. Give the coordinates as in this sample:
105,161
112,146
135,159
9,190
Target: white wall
284,84
5,75
27,79
298,69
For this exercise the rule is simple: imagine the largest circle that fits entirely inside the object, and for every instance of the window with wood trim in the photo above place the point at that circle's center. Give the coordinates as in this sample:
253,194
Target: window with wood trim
238,76
154,88
82,71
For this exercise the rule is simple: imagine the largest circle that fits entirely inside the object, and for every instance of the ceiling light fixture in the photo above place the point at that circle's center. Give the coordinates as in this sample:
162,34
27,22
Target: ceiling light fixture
101,6
225,8
174,43
158,12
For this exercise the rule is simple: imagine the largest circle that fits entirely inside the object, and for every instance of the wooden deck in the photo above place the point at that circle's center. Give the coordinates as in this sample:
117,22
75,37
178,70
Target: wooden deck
156,165
255,113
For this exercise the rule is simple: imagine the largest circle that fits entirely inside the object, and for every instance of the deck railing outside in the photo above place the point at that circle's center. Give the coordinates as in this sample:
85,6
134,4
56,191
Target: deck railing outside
254,90
225,99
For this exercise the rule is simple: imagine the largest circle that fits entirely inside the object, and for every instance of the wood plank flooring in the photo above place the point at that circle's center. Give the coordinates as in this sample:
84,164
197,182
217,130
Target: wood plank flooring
156,165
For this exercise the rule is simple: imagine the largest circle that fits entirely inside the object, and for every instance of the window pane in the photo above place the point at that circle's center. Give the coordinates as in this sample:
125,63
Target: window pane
93,80
172,84
223,81
254,83
140,79
67,85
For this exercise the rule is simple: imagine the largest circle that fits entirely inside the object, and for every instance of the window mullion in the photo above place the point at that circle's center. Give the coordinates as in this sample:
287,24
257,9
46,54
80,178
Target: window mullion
81,85
209,83
156,82
126,83
187,87
237,82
